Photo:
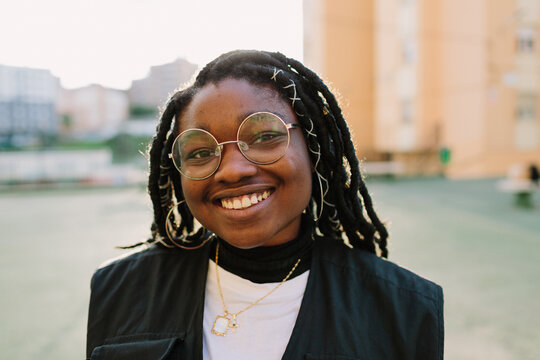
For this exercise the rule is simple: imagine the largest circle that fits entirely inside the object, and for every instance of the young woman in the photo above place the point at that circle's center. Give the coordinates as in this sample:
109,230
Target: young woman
265,243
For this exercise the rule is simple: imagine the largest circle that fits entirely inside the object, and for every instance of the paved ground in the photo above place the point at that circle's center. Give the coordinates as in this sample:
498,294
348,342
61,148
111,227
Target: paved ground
462,234
485,253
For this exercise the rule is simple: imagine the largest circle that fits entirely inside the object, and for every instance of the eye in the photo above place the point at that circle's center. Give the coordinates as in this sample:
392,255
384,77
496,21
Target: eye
199,155
266,137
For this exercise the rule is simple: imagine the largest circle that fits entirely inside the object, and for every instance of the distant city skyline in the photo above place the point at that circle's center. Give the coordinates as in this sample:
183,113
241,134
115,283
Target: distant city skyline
36,110
112,43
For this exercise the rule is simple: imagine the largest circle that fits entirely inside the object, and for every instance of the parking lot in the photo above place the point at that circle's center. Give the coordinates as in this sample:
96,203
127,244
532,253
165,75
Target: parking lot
464,235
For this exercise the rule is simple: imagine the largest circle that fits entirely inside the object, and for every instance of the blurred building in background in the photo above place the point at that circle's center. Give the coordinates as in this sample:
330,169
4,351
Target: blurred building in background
28,100
437,85
154,89
339,46
91,135
92,112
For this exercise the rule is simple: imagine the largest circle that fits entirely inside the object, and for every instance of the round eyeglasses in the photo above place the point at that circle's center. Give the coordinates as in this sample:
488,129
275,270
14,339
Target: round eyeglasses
262,137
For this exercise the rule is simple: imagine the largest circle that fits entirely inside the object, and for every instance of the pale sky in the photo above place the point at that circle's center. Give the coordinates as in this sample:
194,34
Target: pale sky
112,42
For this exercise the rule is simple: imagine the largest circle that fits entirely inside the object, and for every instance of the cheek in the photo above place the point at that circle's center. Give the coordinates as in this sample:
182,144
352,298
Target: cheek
185,186
191,192
302,175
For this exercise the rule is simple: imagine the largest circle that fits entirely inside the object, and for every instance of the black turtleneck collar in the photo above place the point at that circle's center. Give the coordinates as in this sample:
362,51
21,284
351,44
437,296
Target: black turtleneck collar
267,264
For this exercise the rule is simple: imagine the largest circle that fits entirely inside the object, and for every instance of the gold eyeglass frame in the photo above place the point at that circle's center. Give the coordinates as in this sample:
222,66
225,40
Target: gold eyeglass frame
239,143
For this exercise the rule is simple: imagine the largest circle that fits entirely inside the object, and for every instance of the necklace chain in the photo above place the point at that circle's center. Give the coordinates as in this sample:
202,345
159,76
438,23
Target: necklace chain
228,320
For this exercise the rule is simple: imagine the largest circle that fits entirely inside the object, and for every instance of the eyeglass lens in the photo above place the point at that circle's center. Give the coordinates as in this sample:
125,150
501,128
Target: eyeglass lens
262,138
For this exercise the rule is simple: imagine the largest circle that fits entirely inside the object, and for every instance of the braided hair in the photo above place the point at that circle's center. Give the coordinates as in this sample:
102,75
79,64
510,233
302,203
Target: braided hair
340,201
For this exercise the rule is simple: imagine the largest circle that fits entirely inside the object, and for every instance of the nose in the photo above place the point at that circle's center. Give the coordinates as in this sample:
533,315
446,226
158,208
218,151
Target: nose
234,167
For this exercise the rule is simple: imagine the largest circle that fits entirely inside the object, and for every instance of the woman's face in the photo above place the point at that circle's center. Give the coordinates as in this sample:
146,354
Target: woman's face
219,109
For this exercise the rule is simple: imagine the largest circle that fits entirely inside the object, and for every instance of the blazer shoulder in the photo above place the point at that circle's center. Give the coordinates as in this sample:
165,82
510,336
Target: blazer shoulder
370,266
400,302
133,264
127,258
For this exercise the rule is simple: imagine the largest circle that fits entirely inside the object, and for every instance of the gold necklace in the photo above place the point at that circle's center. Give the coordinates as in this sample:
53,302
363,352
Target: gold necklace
228,320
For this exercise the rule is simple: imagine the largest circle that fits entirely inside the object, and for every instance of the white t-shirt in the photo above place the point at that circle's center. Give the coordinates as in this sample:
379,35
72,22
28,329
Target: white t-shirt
263,330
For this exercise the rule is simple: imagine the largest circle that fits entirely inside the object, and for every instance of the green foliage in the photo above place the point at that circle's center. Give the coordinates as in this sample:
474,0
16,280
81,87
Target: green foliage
67,121
126,147
80,144
140,111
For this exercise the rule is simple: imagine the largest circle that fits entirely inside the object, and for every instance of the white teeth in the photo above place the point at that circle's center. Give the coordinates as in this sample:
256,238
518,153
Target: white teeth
244,201
227,204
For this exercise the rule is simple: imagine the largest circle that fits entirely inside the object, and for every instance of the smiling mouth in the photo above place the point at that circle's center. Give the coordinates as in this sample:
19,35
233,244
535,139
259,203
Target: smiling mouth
244,201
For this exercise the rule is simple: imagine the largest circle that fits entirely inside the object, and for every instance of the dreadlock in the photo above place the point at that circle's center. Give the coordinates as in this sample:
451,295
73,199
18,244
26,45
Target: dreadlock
340,201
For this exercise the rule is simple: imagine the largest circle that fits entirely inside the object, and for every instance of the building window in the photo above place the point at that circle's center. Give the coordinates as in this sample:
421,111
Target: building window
526,127
406,111
526,107
409,51
525,41
4,118
526,134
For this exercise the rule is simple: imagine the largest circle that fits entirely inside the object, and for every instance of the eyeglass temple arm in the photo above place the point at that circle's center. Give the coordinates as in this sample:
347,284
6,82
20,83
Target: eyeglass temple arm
293,126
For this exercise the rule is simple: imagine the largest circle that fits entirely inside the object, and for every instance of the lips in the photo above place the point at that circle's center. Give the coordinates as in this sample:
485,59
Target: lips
244,201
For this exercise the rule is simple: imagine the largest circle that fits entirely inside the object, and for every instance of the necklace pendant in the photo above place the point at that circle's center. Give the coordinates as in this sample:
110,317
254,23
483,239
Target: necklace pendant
233,324
227,320
221,325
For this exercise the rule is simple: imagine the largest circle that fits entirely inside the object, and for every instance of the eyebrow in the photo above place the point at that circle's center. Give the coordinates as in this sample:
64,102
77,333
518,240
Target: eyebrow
244,115
241,117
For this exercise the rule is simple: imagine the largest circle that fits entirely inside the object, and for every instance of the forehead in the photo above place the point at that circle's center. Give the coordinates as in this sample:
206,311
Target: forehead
225,104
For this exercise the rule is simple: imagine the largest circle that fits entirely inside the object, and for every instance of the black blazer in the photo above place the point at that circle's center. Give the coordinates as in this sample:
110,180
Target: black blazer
149,305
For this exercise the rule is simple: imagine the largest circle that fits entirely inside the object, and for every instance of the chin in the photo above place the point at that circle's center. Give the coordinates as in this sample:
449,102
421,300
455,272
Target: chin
242,241
247,235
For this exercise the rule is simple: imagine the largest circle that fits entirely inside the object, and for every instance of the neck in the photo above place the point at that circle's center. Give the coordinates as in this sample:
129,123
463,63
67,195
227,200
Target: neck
267,263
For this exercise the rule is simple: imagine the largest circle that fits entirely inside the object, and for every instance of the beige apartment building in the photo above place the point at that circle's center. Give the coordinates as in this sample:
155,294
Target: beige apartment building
438,85
92,111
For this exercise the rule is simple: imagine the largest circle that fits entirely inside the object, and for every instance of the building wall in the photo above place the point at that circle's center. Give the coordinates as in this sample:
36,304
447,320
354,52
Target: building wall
342,33
314,35
419,76
408,89
94,111
397,56
28,105
154,90
464,80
